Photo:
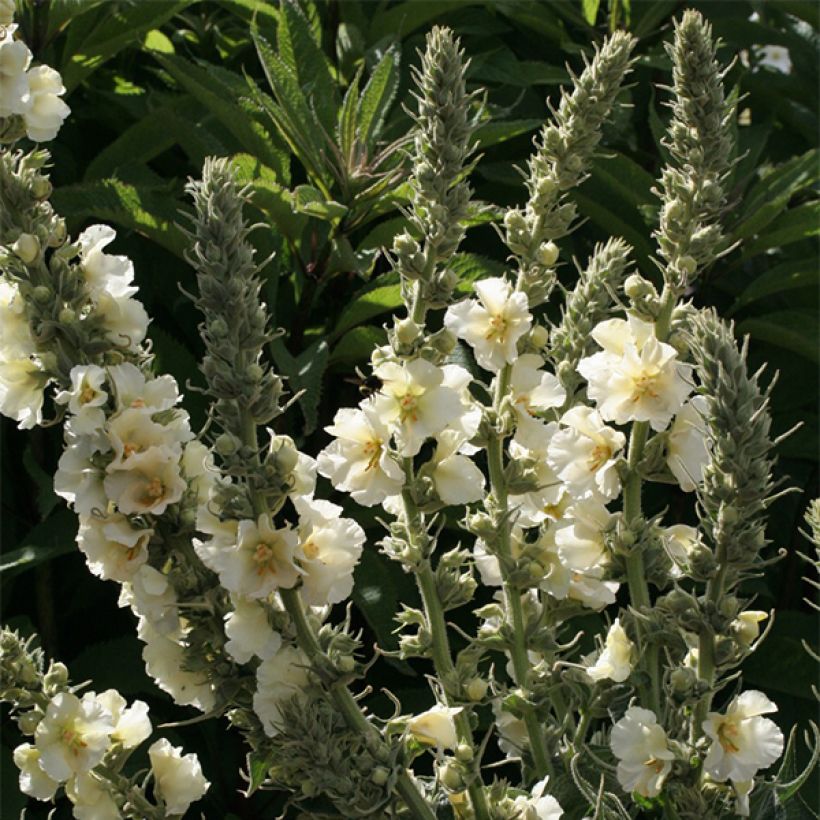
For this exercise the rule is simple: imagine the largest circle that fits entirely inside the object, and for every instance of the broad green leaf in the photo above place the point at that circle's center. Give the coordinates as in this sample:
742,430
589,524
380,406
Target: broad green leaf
355,347
120,25
795,224
226,96
786,276
155,40
494,132
304,57
248,10
378,96
258,769
372,301
403,18
590,9
502,66
311,201
149,210
790,329
347,128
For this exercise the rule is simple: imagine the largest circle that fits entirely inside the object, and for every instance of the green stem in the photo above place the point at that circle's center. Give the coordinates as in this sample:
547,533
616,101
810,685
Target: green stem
512,596
440,644
309,643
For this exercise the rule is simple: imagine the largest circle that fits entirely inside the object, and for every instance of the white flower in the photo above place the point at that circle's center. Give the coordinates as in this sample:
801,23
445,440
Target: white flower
742,740
90,799
635,377
132,389
455,476
773,56
493,325
436,727
133,431
14,60
615,661
164,660
257,562
45,111
580,535
330,547
73,736
150,483
16,341
512,731
113,548
150,595
585,453
644,757
747,625
85,398
742,792
280,677
33,780
178,778
21,391
249,632
539,806
131,723
533,391
124,318
414,402
358,461
680,540
686,451
104,272
7,8
77,479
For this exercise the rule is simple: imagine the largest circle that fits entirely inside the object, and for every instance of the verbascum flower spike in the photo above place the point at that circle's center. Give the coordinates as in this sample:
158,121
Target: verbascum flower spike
563,154
693,191
442,148
587,304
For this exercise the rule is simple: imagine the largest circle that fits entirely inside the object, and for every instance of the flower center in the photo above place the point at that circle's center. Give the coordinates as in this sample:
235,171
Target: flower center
498,328
373,452
654,764
310,550
155,489
408,407
727,735
129,448
599,456
264,556
88,394
73,739
644,387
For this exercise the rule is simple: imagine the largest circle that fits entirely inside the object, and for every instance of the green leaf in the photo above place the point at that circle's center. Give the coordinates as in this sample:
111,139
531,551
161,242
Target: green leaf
790,329
258,769
357,344
304,373
149,210
795,224
372,301
378,96
311,201
119,26
347,127
403,18
503,67
590,9
492,133
226,96
49,539
783,277
303,56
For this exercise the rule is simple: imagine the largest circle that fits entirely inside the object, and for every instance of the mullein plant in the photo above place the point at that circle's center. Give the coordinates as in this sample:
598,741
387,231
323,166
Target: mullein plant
233,563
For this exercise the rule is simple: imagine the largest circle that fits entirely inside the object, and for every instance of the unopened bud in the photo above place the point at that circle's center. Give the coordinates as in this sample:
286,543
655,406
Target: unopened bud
41,188
407,331
688,264
464,752
284,450
226,444
41,295
380,775
67,316
254,372
547,254
683,679
29,721
476,689
56,677
27,247
636,287
539,336
451,778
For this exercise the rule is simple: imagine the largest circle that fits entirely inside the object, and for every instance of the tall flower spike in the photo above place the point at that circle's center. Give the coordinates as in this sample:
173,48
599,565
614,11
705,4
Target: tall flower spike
699,140
441,162
738,480
587,304
563,154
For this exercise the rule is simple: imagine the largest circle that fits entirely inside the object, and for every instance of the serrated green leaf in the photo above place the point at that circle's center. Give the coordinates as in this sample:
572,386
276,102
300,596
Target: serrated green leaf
305,373
119,26
226,96
783,277
347,127
403,18
790,329
378,96
149,210
304,57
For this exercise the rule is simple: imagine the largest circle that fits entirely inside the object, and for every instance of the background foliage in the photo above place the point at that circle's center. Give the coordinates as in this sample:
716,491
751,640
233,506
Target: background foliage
313,111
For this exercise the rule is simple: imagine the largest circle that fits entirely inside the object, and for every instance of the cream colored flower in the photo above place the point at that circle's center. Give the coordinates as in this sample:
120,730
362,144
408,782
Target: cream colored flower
584,454
644,756
73,736
436,727
249,631
615,661
747,625
149,484
178,778
22,383
131,389
278,678
33,780
7,8
131,723
359,461
45,111
493,325
113,548
539,805
686,451
104,272
550,499
15,58
456,478
90,800
635,377
742,740
680,540
414,403
533,392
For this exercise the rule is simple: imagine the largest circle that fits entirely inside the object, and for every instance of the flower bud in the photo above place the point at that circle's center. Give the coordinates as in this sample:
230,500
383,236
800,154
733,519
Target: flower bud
254,372
687,264
226,444
29,721
283,449
476,689
464,752
683,680
547,254
41,188
41,294
67,316
407,331
451,777
380,775
636,287
56,677
27,247
539,336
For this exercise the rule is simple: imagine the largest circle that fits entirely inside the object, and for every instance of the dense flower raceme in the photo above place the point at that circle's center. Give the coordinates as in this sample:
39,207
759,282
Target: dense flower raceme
30,92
